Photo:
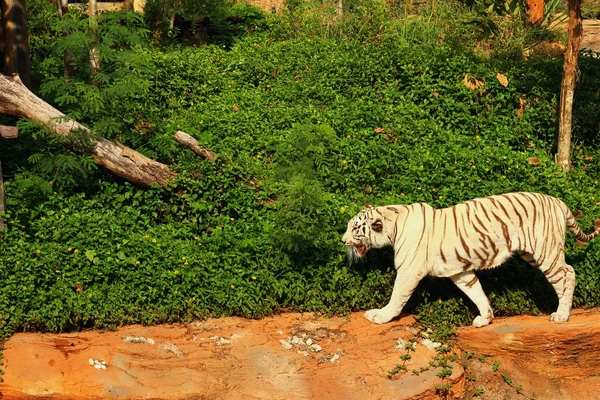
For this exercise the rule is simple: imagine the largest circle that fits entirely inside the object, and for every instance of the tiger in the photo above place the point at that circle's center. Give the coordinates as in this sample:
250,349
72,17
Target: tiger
455,242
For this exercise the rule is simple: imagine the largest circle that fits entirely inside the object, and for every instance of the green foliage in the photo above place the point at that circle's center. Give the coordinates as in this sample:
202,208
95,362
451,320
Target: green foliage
495,366
309,123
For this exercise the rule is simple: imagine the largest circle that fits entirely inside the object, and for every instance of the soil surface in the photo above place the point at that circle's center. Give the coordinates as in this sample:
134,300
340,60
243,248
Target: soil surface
590,38
227,358
303,356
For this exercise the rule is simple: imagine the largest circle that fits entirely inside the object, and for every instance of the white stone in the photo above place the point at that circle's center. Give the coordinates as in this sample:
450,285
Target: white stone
304,353
98,366
316,347
401,344
103,362
150,341
103,367
91,361
335,358
285,344
430,344
309,342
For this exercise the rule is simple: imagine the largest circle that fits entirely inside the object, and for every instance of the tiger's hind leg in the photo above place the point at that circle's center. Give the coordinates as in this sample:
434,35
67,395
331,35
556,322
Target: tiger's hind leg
562,278
470,285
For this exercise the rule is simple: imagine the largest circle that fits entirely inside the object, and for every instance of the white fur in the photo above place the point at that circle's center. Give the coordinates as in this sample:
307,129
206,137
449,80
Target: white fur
455,241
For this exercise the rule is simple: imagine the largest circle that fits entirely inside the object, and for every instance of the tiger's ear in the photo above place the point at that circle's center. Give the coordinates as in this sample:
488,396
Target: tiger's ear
368,205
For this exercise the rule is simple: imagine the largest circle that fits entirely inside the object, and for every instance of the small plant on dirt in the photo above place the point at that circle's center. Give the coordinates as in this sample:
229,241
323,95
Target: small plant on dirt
405,358
495,366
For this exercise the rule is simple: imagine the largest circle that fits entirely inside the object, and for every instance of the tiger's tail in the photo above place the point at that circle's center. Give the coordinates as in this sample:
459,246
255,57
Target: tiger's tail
581,236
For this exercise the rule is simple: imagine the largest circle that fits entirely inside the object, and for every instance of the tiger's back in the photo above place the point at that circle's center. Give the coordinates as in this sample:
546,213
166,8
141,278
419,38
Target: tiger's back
485,232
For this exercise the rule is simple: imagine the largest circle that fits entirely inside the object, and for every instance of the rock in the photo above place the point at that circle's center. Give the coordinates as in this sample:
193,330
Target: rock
285,344
309,342
297,341
430,344
316,347
91,361
49,366
401,344
222,341
150,341
335,357
547,359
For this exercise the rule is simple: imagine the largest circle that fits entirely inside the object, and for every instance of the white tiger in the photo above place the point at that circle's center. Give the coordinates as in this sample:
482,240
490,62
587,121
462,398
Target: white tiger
455,241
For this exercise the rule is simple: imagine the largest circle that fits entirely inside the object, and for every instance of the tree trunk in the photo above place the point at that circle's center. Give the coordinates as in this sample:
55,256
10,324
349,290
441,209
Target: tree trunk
63,8
535,11
567,87
128,5
94,53
17,101
339,8
13,23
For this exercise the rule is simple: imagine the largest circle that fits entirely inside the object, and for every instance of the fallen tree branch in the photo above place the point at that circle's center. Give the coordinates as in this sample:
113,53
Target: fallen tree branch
17,101
8,132
192,144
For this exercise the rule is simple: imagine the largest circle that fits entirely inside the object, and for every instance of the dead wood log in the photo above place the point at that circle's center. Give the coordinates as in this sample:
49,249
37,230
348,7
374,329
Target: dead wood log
17,101
8,132
192,144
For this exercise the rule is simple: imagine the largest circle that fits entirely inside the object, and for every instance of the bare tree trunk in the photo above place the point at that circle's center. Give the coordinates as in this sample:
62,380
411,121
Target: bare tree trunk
128,5
535,11
63,8
339,8
13,23
567,87
94,53
17,101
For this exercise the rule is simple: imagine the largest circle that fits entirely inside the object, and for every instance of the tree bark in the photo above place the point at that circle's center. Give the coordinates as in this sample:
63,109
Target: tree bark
535,11
13,23
128,5
567,87
339,8
94,53
63,8
17,101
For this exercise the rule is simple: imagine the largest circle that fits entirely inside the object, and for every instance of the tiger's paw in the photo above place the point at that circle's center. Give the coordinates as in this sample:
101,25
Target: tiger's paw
480,321
559,317
379,316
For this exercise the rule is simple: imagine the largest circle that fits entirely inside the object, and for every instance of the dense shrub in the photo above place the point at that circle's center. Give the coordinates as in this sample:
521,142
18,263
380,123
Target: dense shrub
307,129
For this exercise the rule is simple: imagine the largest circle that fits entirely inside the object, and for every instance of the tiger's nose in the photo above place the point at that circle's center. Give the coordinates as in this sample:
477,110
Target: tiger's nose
345,239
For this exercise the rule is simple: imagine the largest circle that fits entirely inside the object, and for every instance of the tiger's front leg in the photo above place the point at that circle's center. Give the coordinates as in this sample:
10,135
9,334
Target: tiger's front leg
404,286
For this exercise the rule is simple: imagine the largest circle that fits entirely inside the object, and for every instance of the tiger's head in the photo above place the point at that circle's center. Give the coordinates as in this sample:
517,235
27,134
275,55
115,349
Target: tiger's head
367,229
